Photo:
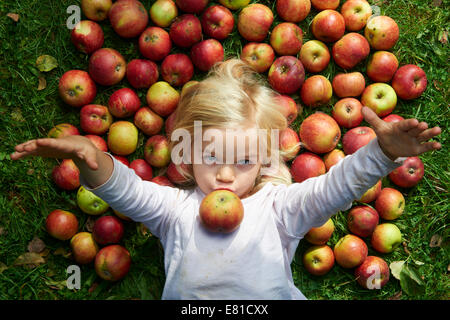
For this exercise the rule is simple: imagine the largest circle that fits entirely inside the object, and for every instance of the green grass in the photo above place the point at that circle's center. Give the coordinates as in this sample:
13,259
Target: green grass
27,193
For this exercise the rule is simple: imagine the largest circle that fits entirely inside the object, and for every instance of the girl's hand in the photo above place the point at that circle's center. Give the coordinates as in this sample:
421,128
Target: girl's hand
406,138
71,147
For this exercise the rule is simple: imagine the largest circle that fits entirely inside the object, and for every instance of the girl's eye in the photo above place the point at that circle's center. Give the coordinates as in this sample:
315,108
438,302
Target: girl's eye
210,159
244,162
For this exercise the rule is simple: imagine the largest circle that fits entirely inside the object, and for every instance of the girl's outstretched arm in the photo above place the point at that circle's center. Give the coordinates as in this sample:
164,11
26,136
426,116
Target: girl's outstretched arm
312,202
95,166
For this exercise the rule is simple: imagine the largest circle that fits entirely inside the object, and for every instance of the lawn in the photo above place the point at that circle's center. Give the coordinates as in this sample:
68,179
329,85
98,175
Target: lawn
28,194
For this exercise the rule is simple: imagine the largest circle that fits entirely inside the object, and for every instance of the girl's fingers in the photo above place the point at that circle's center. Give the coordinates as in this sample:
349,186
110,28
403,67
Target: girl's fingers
429,146
417,130
428,134
408,124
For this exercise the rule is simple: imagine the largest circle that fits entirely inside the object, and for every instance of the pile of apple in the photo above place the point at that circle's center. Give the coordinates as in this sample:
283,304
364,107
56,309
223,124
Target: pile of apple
197,27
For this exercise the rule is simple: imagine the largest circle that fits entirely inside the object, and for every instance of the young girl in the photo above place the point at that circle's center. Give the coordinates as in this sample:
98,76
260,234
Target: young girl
253,262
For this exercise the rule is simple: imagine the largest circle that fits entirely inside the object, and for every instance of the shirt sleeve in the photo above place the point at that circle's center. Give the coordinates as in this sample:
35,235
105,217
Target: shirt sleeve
142,201
301,206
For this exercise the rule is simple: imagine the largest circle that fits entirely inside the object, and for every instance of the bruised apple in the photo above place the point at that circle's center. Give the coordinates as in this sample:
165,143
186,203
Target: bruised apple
221,211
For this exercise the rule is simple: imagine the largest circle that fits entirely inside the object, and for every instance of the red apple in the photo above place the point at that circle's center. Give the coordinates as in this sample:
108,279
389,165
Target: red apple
107,230
356,13
170,123
122,138
328,26
162,181
390,204
316,91
206,53
382,66
162,98
63,130
122,159
286,39
186,30
286,75
372,193
61,224
393,118
148,121
221,211
155,43
347,113
293,10
409,174
318,260
350,50
123,103
128,18
217,22
177,69
349,84
107,66
98,142
112,262
325,4
386,238
258,55
333,157
320,235
84,248
380,97
178,174
373,273
319,133
314,56
76,88
142,169
350,251
191,6
362,220
382,32
95,119
357,138
409,82
254,22
66,175
289,143
96,10
162,12
288,107
307,165
142,73
87,36
156,151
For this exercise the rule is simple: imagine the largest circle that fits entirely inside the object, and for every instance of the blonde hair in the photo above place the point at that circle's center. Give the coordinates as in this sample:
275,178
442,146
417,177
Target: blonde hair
232,95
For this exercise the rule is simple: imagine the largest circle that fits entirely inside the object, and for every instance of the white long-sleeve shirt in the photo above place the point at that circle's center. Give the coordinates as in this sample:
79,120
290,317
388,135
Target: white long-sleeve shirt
254,261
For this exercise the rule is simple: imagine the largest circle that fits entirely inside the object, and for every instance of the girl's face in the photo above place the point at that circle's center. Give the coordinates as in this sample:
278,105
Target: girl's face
218,169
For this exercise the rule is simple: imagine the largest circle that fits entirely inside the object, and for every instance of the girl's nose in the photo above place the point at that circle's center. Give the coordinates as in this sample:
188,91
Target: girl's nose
225,173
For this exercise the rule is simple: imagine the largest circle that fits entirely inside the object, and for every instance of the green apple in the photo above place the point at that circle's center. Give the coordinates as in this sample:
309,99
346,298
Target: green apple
90,203
234,4
380,97
386,237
